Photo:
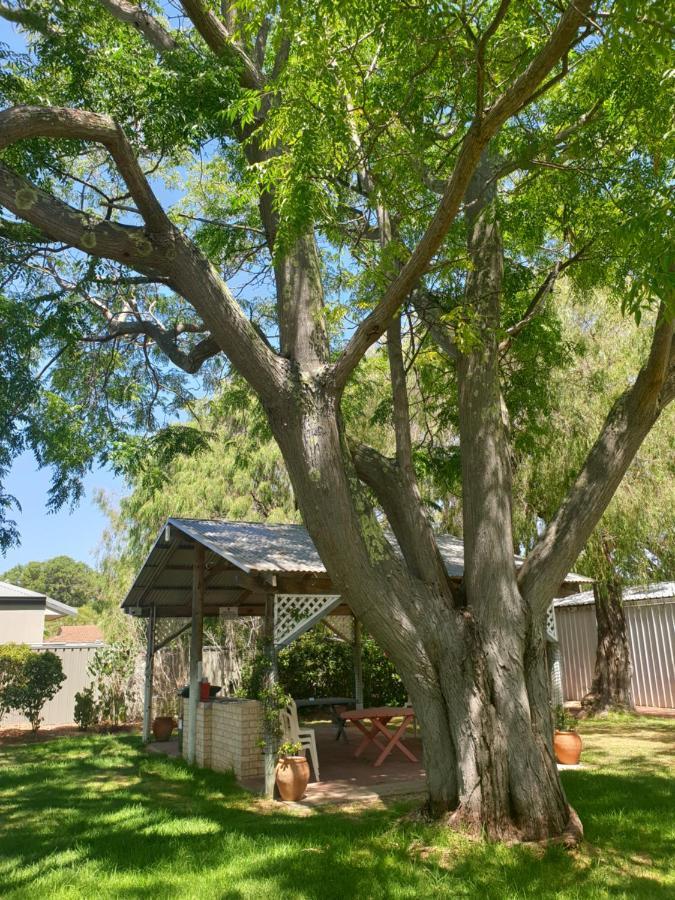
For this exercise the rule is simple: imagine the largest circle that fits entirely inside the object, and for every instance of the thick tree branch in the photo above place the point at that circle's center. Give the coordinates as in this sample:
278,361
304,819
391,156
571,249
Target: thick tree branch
29,19
190,361
60,222
404,513
217,37
480,54
539,297
625,428
150,27
477,137
20,122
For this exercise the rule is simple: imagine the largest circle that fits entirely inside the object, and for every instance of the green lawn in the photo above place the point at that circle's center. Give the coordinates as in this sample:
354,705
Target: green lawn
95,816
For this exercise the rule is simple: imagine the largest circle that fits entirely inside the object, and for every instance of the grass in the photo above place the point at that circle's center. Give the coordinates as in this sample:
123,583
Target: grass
94,816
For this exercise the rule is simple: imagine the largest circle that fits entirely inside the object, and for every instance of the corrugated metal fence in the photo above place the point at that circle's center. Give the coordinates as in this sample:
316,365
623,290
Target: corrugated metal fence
75,659
651,637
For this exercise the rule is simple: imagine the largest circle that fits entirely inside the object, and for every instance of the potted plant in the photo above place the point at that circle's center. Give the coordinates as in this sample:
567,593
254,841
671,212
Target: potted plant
566,742
292,772
164,724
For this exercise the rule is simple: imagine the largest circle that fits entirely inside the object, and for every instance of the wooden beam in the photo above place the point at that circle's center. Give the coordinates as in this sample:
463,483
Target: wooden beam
171,637
149,672
358,665
196,639
269,709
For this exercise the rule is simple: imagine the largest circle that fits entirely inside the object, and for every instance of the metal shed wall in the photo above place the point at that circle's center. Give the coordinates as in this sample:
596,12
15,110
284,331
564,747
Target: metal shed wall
651,638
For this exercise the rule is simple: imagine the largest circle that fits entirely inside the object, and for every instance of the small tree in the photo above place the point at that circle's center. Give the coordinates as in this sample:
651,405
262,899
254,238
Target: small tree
112,668
38,680
12,660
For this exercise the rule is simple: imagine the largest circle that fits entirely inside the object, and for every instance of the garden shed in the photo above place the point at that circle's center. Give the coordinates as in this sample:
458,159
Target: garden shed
650,621
206,567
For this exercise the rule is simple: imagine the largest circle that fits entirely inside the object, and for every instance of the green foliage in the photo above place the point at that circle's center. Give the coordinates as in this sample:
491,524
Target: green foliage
317,664
86,709
37,680
635,539
288,748
112,668
562,720
12,661
62,578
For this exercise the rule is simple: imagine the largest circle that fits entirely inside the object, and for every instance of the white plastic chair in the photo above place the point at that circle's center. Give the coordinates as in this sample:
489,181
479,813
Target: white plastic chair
305,736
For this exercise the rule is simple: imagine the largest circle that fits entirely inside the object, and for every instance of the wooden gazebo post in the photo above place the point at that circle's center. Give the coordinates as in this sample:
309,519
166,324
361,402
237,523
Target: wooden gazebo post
358,665
149,671
196,637
269,705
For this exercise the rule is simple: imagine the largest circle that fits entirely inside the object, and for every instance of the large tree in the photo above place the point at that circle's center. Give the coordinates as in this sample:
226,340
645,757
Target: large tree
63,578
346,161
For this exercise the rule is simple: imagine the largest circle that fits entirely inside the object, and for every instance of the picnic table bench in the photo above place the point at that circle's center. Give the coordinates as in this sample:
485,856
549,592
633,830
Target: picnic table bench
379,717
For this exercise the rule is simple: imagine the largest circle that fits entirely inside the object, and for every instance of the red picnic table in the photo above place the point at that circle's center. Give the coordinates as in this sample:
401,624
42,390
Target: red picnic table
379,717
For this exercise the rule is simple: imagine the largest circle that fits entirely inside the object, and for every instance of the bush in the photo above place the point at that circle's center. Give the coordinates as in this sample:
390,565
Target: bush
319,665
37,681
86,710
12,660
112,668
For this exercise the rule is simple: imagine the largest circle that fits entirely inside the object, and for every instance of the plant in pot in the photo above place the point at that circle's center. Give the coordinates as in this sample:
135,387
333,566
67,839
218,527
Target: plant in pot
164,724
566,742
292,772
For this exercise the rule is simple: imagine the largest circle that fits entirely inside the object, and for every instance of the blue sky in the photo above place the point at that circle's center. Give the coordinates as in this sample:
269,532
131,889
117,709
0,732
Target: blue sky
75,533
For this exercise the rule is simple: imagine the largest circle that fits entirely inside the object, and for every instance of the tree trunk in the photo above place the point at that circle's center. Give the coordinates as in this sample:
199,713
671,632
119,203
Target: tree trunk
480,693
611,688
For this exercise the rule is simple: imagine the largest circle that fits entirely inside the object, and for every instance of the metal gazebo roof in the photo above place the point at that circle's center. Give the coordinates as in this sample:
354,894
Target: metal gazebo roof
245,561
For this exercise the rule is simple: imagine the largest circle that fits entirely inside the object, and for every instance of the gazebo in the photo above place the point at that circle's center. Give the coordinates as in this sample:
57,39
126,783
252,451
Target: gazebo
207,567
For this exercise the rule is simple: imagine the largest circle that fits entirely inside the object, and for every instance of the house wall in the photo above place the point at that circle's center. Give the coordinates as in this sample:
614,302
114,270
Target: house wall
228,736
75,659
22,624
651,639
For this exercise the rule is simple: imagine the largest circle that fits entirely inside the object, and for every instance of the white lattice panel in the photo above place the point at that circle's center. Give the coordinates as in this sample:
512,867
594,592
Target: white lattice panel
296,613
342,627
551,630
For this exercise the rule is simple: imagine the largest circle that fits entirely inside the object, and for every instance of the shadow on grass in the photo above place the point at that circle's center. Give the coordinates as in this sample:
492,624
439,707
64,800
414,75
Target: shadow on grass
96,816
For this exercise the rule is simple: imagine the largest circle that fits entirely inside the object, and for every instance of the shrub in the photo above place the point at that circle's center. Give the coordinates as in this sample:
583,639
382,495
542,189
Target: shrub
319,665
86,710
39,679
111,668
12,660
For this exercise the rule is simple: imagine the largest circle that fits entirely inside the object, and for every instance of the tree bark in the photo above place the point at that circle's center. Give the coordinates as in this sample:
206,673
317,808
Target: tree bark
611,687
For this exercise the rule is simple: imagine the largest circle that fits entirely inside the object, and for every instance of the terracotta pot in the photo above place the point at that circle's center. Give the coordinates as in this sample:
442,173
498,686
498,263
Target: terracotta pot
162,727
204,690
292,777
567,747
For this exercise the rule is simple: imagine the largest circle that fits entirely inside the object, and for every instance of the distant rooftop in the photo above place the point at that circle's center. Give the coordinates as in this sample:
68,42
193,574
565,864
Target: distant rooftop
662,590
54,608
76,634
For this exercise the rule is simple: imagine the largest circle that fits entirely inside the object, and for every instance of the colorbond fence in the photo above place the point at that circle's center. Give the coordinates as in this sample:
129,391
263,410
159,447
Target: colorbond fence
651,637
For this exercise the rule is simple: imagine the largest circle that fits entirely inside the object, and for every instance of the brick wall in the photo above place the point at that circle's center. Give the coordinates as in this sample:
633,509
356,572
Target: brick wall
228,736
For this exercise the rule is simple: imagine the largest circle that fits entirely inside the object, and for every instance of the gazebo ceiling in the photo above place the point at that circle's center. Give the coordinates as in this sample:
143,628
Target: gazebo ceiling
245,561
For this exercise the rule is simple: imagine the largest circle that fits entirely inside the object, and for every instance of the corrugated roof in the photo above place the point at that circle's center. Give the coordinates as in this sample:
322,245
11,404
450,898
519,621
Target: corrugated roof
275,549
13,592
662,590
54,609
253,548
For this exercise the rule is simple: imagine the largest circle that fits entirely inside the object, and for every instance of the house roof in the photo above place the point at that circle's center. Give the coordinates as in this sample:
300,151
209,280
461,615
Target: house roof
54,609
663,590
257,550
76,634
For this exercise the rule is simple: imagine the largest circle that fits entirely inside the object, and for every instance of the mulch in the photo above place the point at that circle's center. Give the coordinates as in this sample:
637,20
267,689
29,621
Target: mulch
24,735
